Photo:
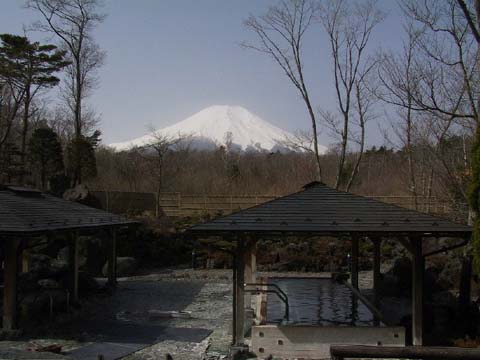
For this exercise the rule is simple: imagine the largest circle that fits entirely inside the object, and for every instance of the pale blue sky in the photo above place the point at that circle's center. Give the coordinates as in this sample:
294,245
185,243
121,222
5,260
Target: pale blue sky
167,59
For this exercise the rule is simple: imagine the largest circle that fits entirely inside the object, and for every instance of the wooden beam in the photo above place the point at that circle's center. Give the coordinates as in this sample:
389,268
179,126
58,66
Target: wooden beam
355,253
10,284
112,259
341,352
417,290
240,300
74,265
377,276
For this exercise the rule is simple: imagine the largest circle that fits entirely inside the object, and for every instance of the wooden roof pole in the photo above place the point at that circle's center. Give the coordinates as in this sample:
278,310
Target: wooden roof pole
355,253
250,267
112,258
239,287
234,298
377,276
74,264
417,290
10,284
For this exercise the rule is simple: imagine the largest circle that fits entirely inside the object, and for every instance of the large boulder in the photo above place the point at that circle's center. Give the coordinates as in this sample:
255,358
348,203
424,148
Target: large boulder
39,263
81,194
398,280
449,276
78,193
62,259
126,266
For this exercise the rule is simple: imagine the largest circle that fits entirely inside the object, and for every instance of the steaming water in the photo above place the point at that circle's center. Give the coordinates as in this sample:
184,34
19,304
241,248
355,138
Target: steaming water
317,302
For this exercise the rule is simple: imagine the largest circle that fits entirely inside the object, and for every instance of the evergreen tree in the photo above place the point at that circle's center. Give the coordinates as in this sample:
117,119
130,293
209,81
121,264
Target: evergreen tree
30,68
474,199
45,154
81,156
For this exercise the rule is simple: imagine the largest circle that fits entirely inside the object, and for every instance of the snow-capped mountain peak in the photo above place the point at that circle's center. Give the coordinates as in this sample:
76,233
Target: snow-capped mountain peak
213,126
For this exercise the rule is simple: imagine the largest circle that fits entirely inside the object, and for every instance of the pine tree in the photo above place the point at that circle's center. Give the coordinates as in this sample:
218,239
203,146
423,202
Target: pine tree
29,67
45,154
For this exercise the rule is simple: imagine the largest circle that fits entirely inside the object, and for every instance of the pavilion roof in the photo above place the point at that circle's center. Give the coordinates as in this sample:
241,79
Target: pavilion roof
322,210
27,211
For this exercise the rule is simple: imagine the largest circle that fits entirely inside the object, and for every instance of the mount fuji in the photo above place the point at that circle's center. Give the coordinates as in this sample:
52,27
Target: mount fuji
214,126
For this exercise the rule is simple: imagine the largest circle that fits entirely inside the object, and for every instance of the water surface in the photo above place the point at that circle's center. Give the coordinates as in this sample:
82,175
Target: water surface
315,301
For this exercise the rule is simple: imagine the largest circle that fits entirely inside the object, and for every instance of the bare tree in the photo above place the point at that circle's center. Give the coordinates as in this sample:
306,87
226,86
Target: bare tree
447,61
73,21
363,104
280,33
445,85
299,141
349,27
398,78
156,152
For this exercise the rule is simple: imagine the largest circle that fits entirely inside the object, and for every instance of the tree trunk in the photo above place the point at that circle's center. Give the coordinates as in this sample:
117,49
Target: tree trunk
78,118
315,137
23,149
343,151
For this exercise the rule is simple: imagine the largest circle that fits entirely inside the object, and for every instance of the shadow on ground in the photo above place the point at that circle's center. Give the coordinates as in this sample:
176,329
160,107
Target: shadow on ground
117,325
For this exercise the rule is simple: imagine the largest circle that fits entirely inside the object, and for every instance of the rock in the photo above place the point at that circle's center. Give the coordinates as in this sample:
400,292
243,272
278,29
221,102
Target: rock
398,281
86,282
449,276
126,266
81,194
48,284
61,261
160,314
40,263
78,193
28,282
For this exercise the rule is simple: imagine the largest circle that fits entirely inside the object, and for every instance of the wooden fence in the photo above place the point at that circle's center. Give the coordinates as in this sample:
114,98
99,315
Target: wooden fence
176,204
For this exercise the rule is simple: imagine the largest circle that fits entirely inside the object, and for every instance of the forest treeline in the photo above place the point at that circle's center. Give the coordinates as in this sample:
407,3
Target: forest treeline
382,171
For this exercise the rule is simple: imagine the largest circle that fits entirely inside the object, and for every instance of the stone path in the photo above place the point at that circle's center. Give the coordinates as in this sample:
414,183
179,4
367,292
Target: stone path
128,321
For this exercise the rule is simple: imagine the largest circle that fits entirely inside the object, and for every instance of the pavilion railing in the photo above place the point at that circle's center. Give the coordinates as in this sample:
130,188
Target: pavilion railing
341,352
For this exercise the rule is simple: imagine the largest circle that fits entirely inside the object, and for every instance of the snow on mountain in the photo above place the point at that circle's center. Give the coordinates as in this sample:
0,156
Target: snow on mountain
209,128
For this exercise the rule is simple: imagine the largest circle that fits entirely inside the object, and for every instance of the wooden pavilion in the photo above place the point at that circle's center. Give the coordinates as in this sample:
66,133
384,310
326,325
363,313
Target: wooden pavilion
318,210
27,214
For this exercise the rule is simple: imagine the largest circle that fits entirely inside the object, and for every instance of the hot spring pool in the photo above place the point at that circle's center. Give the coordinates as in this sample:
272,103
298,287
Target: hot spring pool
320,302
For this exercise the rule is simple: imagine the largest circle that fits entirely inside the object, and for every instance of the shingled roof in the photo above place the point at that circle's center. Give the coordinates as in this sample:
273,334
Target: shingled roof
26,211
323,210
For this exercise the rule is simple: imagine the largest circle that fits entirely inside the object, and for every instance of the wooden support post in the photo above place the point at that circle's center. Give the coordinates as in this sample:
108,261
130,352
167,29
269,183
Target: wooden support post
417,291
355,250
234,298
10,284
250,271
112,259
377,242
25,260
74,264
239,287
